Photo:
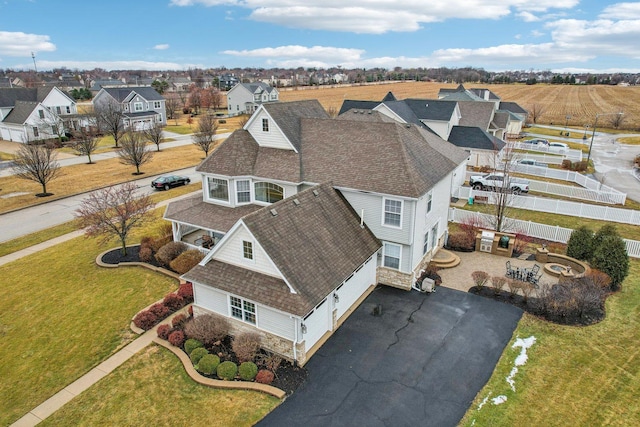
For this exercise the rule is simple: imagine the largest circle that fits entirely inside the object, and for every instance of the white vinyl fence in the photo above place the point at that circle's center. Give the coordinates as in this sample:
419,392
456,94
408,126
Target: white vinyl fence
556,206
571,154
528,228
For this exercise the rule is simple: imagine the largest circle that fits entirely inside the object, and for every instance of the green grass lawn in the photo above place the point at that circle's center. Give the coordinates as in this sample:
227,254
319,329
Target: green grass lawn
152,388
181,129
574,376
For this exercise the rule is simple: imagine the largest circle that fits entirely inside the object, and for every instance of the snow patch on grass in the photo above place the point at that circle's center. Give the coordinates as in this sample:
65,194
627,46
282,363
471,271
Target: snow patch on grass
522,358
499,399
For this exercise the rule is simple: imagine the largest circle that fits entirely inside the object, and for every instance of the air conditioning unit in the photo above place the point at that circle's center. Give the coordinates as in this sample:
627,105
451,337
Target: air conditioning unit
428,285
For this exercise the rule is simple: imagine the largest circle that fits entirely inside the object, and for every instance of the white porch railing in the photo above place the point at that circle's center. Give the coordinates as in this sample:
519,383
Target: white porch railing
533,229
560,207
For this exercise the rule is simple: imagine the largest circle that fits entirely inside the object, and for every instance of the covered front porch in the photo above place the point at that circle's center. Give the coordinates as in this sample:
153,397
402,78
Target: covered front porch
196,237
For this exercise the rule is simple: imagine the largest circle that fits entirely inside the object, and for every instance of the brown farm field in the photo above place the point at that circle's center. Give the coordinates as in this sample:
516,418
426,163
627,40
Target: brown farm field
555,102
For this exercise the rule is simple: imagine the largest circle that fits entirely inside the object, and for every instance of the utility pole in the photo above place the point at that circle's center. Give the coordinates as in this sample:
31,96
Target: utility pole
33,56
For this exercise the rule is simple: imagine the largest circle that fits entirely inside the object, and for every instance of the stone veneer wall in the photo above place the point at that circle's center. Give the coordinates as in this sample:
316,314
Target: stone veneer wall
271,342
394,278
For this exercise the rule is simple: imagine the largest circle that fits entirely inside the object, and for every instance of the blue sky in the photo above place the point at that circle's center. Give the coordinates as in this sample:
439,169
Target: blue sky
497,35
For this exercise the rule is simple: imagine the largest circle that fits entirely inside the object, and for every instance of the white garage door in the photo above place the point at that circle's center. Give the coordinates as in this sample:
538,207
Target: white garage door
354,287
317,324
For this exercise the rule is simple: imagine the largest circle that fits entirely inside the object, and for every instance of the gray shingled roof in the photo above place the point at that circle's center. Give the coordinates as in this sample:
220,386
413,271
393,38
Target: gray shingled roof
20,112
287,115
350,104
476,113
512,107
9,96
121,93
432,109
481,92
315,243
357,115
474,138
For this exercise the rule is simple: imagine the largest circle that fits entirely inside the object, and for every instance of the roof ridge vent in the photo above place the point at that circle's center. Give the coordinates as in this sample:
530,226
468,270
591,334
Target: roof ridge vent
315,193
274,212
296,202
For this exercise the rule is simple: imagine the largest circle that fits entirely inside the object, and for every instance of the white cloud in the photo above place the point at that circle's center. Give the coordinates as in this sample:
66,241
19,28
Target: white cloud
621,11
338,54
109,65
22,44
528,17
163,46
380,16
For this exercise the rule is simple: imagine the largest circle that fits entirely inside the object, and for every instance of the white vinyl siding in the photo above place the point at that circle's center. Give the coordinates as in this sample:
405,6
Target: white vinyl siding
232,253
211,299
276,322
274,138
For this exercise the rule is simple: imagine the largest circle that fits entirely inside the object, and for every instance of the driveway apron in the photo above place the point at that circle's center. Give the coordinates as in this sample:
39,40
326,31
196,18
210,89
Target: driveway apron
421,362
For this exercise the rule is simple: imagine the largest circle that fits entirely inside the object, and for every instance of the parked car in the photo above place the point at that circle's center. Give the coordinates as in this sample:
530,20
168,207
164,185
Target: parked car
531,162
536,141
495,182
168,181
558,147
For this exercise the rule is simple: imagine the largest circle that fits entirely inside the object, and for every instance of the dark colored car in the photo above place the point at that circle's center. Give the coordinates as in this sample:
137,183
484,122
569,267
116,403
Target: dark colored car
168,181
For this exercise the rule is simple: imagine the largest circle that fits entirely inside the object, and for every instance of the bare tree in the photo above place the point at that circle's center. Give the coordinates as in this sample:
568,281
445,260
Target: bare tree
114,212
85,143
617,119
171,106
37,163
332,111
195,98
154,134
134,151
110,120
216,97
206,131
535,112
184,97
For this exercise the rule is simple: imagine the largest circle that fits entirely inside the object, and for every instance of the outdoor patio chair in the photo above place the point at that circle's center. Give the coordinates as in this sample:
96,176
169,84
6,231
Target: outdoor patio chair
207,241
510,271
535,280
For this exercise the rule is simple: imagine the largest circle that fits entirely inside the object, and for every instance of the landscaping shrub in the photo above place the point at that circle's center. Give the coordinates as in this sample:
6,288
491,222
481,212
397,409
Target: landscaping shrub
430,272
145,253
611,258
580,244
191,344
178,321
222,121
480,278
197,354
169,252
164,331
145,320
186,292
521,242
264,376
271,361
146,241
209,364
207,328
176,338
605,230
186,261
245,346
247,371
471,226
460,241
566,164
498,283
573,302
600,279
173,301
159,242
160,310
580,166
227,370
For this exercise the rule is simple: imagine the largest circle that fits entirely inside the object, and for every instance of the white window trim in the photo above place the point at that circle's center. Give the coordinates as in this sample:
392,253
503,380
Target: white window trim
384,254
238,202
429,202
135,107
242,301
434,235
384,207
157,105
208,193
251,260
426,244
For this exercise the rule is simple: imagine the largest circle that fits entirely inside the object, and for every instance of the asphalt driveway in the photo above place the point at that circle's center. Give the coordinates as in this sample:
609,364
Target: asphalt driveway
421,362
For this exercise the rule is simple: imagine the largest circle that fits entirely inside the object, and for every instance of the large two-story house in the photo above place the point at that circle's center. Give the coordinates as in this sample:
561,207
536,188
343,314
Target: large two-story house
245,98
141,106
32,114
286,198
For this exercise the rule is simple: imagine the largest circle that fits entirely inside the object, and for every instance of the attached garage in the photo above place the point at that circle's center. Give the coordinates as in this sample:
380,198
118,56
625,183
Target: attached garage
354,287
316,324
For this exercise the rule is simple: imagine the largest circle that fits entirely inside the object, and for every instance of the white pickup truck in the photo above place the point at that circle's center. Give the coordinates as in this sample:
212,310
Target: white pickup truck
495,182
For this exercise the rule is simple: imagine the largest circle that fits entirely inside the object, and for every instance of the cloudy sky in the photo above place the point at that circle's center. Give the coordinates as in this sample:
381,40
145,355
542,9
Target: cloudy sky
497,35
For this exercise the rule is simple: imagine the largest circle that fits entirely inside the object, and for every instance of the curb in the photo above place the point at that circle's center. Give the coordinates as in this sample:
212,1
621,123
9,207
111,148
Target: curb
135,264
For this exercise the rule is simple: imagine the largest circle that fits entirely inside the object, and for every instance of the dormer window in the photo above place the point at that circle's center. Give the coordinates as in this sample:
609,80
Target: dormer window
247,250
218,189
265,125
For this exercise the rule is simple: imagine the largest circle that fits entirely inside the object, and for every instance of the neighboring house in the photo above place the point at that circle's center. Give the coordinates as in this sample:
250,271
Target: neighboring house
141,106
227,81
245,98
31,114
178,84
395,178
98,84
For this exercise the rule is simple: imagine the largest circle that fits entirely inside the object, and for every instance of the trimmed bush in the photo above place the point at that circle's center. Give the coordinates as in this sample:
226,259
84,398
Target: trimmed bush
460,241
264,376
191,344
245,346
197,354
186,292
209,364
173,301
145,320
247,371
186,261
605,230
611,258
145,254
580,244
207,328
227,370
178,321
169,252
480,278
159,242
271,361
176,338
498,283
164,331
160,310
574,299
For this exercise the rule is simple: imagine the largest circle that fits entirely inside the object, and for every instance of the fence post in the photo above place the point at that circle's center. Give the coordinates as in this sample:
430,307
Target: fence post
557,231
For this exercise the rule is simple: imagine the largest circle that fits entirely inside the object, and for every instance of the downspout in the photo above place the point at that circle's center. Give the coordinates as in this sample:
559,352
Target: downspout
295,340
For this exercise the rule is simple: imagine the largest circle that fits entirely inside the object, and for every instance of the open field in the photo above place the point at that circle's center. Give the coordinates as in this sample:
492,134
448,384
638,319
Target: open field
554,102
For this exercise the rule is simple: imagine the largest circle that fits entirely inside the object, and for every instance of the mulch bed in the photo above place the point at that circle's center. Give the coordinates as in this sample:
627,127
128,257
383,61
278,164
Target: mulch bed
114,257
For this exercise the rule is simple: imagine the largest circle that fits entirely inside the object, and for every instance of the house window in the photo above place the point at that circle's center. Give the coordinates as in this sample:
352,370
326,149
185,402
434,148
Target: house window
429,201
392,255
156,104
268,192
434,235
137,106
36,133
425,244
243,191
265,125
58,110
68,109
218,189
247,250
159,118
392,212
238,107
41,114
243,310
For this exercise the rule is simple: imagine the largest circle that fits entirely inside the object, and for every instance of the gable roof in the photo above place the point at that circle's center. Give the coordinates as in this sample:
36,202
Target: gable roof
9,96
474,138
20,112
512,107
315,240
287,115
257,87
120,94
389,97
350,104
476,113
432,109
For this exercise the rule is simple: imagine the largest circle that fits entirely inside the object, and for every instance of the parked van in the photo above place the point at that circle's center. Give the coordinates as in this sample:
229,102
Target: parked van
558,147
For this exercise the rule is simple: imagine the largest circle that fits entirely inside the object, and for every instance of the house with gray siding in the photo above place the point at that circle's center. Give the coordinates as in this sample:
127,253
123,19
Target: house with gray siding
141,106
395,178
245,98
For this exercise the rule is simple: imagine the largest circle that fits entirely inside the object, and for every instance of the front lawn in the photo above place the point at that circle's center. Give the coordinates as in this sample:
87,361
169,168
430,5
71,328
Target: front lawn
61,315
152,388
574,376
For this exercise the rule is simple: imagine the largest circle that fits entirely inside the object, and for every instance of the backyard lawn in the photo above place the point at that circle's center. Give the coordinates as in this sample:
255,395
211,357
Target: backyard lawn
574,376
